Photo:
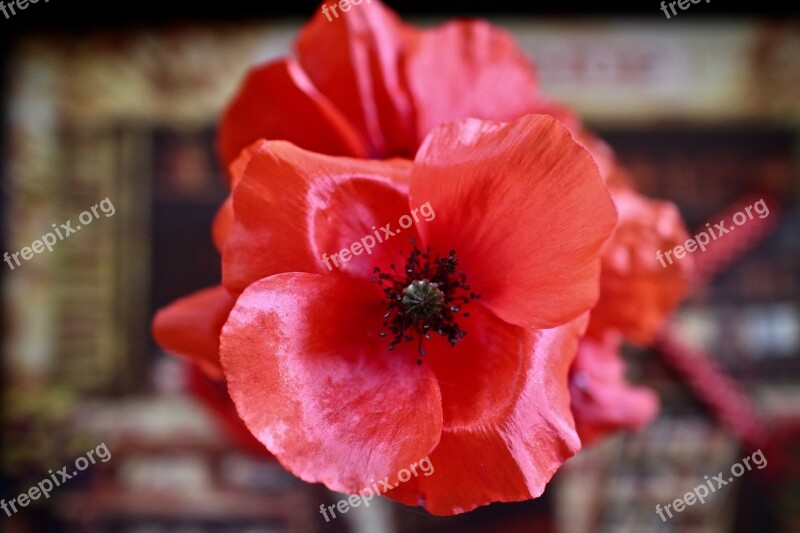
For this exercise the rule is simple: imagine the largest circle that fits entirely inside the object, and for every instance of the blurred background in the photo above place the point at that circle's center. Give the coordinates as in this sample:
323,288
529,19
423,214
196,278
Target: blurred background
123,104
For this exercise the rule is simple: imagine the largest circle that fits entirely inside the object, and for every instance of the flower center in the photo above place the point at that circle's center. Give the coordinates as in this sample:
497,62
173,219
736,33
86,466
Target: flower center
426,297
422,299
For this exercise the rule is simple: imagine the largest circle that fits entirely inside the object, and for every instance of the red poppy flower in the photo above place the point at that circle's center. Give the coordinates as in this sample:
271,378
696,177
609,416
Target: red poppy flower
336,401
368,86
602,401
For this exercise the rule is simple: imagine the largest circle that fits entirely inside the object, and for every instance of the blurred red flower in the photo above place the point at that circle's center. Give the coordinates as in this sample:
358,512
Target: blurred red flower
637,297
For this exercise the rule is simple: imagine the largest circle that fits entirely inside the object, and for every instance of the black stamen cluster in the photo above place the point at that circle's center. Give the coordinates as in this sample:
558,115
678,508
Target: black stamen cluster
427,296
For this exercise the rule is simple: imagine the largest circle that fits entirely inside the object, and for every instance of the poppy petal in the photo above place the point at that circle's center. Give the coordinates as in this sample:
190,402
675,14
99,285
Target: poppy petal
524,207
361,218
280,202
277,101
603,156
355,62
190,327
317,386
480,377
602,401
513,452
485,59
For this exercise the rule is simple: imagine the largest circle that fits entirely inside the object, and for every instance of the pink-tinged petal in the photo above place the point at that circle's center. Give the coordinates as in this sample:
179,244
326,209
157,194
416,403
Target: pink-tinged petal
290,202
355,61
602,401
277,101
509,454
468,69
318,387
526,211
190,327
